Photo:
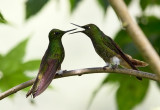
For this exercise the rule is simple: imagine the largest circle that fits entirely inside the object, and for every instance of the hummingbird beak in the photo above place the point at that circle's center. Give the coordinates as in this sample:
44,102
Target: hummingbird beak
77,25
70,30
75,32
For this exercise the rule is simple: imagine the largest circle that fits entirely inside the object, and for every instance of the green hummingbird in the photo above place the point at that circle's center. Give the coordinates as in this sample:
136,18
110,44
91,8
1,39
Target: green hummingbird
51,62
108,50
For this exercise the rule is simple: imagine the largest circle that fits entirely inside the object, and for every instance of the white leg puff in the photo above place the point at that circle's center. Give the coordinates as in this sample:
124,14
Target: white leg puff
115,60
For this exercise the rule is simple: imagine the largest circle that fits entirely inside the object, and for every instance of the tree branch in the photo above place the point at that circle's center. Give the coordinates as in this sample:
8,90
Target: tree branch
84,71
137,35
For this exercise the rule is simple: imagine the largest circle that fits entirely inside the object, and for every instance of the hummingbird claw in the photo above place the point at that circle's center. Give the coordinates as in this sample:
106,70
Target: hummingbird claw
114,66
105,67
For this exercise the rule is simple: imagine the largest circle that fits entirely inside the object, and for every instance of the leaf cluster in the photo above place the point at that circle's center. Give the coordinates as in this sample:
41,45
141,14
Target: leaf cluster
13,67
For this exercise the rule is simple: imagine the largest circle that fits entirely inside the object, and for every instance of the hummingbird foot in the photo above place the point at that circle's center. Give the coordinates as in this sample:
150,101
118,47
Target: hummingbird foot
107,65
60,72
114,66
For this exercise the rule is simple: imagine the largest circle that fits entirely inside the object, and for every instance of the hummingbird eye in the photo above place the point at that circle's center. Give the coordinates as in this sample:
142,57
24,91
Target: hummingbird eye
55,33
88,27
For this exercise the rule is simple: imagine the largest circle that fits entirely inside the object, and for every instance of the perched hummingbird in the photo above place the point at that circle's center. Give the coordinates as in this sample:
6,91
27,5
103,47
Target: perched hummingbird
51,62
108,50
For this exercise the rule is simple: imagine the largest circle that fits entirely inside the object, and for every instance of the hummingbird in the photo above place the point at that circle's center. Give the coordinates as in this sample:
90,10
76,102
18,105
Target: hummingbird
51,62
108,50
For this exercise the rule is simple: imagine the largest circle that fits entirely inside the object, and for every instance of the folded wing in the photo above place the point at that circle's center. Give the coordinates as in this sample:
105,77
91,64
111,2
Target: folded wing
44,78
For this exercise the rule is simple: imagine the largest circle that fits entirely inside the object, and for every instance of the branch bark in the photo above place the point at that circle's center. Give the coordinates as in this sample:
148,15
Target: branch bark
137,35
84,71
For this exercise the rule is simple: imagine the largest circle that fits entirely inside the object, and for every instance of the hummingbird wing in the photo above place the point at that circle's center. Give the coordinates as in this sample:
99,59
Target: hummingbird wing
46,73
44,77
113,46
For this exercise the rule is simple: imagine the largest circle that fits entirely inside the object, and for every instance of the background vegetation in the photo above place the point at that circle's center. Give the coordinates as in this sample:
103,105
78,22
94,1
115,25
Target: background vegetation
130,91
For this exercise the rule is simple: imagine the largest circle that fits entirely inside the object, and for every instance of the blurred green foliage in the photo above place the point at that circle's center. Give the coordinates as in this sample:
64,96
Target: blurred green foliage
130,92
13,67
104,4
73,4
34,6
147,3
127,1
2,19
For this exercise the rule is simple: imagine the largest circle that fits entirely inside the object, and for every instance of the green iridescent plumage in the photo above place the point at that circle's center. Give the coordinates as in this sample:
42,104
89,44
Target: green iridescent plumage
108,50
51,62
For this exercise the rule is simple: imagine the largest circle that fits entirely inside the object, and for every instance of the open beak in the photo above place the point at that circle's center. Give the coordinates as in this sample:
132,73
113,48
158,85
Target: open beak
70,30
77,26
75,32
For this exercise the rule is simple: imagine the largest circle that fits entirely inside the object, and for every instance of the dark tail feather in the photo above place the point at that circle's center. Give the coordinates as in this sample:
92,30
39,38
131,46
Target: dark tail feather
139,63
136,62
28,93
33,88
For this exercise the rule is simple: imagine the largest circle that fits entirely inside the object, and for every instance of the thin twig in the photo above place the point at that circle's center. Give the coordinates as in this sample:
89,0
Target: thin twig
84,71
137,35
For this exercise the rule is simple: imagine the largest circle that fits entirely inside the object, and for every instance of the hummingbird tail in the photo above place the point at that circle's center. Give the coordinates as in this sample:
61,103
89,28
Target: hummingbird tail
33,88
139,63
136,62
29,93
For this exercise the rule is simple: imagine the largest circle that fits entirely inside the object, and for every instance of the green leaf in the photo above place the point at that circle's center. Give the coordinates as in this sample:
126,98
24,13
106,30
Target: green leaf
127,2
31,65
146,3
13,58
104,4
13,67
131,92
73,4
2,19
9,81
17,53
34,6
127,85
150,26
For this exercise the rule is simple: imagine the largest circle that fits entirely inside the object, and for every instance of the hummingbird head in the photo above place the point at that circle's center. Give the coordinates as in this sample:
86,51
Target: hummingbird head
57,34
89,29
